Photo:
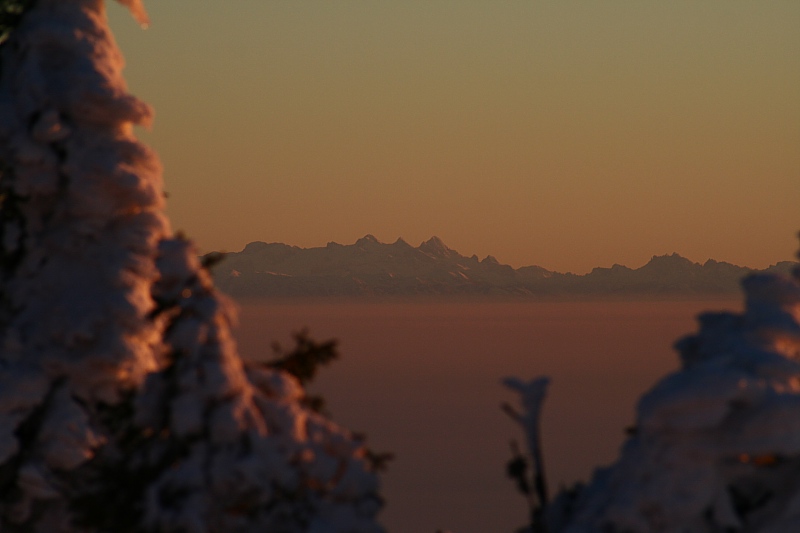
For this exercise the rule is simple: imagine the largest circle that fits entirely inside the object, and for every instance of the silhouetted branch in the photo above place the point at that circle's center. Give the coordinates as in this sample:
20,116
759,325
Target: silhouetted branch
532,395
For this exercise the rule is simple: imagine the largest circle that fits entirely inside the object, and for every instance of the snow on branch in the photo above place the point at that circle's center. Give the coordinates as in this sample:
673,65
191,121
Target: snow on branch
124,405
137,10
716,446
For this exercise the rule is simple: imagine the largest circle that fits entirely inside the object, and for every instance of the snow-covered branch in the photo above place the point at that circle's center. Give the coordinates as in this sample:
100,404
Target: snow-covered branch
717,444
124,405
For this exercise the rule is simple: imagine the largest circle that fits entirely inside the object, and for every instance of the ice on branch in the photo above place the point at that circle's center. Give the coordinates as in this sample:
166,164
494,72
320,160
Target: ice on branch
124,405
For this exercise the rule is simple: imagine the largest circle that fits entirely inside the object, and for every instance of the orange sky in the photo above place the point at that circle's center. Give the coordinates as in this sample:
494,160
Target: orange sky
564,134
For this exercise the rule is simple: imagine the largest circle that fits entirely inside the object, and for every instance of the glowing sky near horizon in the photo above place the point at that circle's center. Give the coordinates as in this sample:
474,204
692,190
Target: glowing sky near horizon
563,134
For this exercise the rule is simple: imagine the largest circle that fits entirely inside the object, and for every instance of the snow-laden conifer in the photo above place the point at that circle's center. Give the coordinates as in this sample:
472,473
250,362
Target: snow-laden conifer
716,446
123,403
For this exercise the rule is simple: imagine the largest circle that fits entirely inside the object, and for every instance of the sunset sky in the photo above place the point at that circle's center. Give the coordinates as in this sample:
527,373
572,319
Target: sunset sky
563,134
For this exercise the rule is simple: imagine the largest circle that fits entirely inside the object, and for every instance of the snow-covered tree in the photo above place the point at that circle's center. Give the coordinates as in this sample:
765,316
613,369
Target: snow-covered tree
123,403
716,446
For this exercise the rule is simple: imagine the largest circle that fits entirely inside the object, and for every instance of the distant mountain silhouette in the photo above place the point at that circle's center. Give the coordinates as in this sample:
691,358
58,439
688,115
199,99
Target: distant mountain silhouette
372,268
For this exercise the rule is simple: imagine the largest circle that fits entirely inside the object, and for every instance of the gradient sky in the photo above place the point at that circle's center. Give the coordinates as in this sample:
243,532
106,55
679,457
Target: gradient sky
566,134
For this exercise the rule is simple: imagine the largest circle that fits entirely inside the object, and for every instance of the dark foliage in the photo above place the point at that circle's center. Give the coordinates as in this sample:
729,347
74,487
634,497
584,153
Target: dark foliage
208,261
517,470
302,362
305,358
378,461
11,12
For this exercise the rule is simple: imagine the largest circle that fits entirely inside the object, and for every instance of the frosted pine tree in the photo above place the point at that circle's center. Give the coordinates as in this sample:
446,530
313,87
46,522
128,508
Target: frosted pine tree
716,446
123,403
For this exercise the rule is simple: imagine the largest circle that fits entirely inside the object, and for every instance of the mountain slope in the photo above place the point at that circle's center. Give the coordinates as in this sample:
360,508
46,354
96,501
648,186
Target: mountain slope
372,268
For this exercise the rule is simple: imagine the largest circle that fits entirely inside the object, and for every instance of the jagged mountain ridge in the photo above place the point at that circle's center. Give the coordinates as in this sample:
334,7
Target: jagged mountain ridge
372,268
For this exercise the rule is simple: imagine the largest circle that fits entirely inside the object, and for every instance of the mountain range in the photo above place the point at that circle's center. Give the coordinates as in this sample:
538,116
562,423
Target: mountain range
372,268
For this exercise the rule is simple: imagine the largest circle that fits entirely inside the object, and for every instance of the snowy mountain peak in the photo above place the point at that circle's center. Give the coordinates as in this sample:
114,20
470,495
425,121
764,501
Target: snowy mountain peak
262,247
674,258
435,246
254,246
368,239
434,268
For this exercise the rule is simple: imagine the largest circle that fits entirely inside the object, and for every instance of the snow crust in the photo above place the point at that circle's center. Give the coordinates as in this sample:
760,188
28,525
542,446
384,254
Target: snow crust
121,391
717,443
